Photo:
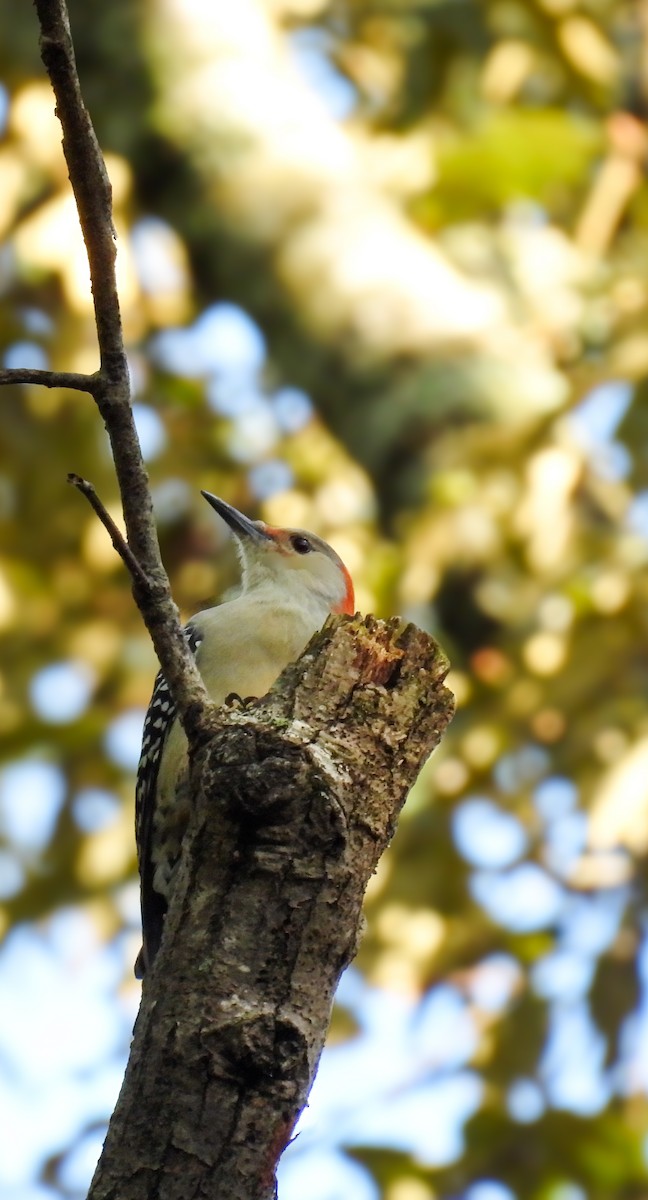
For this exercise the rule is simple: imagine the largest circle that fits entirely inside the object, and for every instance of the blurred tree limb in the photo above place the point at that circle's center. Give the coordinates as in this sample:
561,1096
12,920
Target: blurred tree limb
293,804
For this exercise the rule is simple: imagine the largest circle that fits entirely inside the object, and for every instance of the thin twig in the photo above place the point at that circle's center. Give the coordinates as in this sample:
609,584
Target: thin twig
110,386
117,538
49,379
88,176
93,195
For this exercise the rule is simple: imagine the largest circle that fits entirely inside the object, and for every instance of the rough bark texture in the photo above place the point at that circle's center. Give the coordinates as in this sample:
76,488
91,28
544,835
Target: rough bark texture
296,797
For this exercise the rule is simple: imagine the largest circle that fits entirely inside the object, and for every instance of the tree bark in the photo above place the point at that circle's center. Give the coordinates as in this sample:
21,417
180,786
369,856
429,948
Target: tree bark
295,798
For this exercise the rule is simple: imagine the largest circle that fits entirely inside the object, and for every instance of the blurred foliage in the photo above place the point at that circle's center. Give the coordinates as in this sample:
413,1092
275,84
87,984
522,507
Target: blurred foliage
437,216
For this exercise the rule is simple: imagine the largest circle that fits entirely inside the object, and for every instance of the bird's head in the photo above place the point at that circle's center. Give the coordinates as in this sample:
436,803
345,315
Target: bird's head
288,558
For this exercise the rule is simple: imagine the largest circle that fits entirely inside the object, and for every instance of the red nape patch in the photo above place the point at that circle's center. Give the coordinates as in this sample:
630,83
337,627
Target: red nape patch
347,604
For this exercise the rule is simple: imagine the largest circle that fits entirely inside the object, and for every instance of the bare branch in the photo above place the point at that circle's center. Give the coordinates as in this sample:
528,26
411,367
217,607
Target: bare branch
49,379
110,386
124,551
89,179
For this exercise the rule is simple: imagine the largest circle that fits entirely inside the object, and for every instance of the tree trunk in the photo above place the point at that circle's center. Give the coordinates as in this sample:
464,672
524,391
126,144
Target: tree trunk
296,797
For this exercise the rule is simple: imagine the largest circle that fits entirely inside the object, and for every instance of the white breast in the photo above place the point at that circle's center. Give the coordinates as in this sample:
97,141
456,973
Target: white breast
246,644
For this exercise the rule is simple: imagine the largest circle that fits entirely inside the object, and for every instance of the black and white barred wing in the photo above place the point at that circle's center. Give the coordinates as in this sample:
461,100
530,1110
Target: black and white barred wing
158,721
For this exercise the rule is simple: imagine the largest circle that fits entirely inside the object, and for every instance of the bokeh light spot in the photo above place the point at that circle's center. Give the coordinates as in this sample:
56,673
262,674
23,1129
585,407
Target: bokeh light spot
523,899
322,1174
4,108
408,1187
159,256
235,341
595,420
150,431
253,434
293,409
270,477
524,1101
555,797
494,981
123,738
564,975
94,809
309,47
26,354
520,769
172,499
485,836
37,322
224,339
489,1189
566,1191
31,796
545,653
60,692
79,1163
573,1060
12,875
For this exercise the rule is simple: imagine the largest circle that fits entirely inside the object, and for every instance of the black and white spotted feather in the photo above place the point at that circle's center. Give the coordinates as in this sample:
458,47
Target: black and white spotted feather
159,719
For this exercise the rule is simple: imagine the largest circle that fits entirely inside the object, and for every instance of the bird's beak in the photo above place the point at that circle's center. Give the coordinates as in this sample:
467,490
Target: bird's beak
241,526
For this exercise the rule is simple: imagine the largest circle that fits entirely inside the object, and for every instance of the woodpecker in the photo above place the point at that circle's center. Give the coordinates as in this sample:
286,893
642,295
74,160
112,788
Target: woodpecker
290,581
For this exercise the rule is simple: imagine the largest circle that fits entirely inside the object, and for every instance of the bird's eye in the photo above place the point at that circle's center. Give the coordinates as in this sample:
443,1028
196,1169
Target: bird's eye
301,545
